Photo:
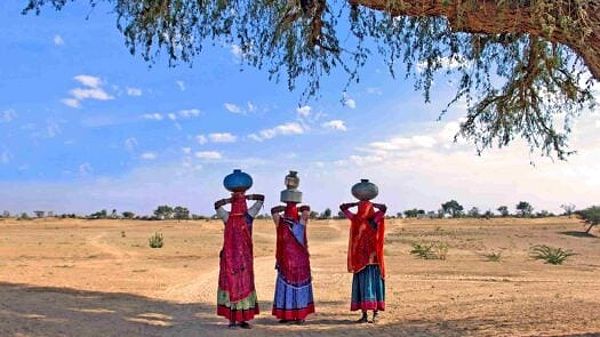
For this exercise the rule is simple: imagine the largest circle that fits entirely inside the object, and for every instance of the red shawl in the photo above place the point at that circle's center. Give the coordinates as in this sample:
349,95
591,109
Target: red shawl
366,238
292,256
237,270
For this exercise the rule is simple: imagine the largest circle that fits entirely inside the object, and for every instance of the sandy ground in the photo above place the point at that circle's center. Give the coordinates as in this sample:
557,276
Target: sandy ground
100,278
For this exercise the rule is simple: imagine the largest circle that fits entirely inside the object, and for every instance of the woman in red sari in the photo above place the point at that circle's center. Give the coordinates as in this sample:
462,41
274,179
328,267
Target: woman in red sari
365,257
236,296
293,299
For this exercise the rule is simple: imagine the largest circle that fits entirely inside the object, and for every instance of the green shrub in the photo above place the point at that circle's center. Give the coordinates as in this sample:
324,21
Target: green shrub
156,240
430,251
550,254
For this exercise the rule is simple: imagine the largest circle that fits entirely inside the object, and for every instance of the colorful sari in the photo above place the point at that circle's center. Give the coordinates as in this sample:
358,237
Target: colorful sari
293,289
365,257
236,296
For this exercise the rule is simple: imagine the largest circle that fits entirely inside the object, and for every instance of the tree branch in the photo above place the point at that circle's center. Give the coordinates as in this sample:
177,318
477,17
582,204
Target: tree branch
487,17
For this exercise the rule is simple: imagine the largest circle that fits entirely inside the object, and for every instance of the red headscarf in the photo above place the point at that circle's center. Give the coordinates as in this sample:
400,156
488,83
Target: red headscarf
366,240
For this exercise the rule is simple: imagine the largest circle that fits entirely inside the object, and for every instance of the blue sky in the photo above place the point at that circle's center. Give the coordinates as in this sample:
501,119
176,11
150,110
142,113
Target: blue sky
84,125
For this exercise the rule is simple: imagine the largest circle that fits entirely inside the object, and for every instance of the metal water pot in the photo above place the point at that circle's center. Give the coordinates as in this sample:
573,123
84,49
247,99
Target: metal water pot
365,190
291,194
237,181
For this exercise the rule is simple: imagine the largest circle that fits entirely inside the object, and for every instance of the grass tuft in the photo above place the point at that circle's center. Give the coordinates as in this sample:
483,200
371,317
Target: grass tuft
550,255
156,240
430,251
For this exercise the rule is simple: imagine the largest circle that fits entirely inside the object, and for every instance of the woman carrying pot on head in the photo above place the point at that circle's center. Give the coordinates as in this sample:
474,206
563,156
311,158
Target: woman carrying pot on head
236,295
293,299
365,251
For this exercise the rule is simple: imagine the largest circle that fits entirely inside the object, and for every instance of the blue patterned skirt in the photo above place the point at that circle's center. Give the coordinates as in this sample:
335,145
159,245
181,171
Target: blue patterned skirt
292,303
368,289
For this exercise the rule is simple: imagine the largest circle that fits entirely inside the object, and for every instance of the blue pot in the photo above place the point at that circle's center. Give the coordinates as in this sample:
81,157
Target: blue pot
237,181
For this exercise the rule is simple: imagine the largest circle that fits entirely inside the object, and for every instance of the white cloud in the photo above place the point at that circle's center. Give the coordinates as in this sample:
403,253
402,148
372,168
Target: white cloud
85,169
58,40
130,143
236,51
92,89
335,124
189,113
89,81
349,102
186,150
172,116
291,128
224,137
99,94
180,85
304,110
131,91
208,155
233,108
8,116
153,116
201,139
148,156
72,102
251,107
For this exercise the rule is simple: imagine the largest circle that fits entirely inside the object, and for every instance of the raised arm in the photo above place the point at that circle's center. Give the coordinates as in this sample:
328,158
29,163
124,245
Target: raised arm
381,209
255,208
345,209
221,212
275,213
304,214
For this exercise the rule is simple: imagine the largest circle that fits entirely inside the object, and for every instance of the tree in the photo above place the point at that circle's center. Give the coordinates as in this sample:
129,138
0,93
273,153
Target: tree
591,216
313,215
474,212
520,64
503,211
524,208
128,215
39,214
113,214
163,212
341,215
6,214
181,213
453,208
326,214
411,213
569,209
103,214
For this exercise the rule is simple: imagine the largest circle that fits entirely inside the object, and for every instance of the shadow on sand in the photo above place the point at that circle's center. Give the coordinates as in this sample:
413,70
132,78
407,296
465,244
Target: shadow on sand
578,234
52,312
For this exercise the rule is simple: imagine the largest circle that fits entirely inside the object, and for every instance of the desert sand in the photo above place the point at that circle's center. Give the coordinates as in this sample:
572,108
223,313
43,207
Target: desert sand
68,277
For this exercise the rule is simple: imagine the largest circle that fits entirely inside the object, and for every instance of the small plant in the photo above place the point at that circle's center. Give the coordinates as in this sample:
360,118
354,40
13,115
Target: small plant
156,240
421,250
549,254
493,256
430,251
123,234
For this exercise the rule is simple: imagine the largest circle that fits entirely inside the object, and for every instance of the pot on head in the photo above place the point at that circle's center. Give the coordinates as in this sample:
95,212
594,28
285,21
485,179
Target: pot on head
365,190
237,181
291,194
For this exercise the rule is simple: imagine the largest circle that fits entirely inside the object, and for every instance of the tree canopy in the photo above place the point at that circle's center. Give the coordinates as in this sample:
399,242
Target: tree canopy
525,68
